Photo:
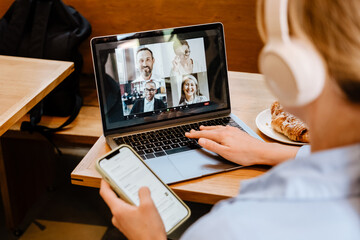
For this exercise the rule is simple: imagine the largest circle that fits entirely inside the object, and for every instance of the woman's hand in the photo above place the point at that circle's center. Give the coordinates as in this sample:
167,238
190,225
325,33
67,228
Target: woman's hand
142,222
239,147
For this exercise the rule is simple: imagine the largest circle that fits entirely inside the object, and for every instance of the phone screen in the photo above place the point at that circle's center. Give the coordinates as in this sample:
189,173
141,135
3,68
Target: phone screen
130,173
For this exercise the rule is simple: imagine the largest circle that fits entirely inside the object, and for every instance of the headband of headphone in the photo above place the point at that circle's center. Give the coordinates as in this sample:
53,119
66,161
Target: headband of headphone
293,69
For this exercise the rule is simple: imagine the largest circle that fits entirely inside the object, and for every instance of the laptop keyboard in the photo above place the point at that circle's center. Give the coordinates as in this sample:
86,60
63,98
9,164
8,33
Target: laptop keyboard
169,140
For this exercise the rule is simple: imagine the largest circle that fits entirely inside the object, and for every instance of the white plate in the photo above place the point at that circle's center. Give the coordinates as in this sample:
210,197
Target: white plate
263,122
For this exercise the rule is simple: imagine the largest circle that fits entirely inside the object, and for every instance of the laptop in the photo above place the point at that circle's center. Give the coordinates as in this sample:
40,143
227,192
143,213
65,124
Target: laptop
154,86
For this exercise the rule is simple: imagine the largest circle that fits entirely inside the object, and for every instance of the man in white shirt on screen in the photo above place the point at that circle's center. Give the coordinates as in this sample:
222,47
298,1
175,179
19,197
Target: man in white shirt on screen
145,63
149,103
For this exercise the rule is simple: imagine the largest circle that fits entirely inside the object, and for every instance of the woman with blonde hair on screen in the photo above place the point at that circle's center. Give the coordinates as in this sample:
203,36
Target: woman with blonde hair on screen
311,61
190,92
182,63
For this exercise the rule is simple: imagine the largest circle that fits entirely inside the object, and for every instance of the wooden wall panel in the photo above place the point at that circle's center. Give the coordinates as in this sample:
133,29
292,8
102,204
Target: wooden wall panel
121,16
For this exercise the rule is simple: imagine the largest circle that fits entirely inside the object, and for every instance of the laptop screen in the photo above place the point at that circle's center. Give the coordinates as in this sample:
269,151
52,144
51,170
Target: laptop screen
159,75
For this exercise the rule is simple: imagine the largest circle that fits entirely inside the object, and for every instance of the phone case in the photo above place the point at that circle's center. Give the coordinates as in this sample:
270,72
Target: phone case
123,196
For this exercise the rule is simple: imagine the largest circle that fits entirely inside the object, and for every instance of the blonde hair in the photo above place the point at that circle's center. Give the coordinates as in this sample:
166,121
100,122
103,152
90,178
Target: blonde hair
197,92
333,27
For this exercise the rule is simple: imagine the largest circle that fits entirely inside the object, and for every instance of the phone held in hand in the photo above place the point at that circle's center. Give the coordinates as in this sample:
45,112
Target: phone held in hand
126,173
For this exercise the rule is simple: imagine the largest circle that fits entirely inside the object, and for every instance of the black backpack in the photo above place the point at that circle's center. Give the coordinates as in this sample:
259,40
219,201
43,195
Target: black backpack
47,29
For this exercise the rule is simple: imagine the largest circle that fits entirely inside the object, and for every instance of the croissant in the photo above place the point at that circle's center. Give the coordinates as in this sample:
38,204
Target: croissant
288,124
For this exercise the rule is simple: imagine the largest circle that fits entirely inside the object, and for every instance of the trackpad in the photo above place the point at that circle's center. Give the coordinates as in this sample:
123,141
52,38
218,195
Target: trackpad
196,163
165,169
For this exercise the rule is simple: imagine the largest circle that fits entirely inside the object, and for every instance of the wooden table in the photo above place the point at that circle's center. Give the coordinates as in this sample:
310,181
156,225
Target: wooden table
249,96
23,83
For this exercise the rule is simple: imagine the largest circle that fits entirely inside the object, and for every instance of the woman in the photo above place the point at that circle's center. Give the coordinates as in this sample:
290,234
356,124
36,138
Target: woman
190,92
313,195
182,63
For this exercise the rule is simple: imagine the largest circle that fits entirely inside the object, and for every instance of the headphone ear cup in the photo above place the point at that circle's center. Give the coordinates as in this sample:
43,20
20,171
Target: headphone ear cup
293,71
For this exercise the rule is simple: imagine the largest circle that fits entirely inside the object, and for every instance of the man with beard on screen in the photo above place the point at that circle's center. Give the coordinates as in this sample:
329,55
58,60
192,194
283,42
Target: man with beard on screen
145,62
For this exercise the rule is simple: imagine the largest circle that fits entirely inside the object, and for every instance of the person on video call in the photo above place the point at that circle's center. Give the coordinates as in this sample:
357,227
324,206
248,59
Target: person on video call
314,191
182,63
145,63
190,92
149,103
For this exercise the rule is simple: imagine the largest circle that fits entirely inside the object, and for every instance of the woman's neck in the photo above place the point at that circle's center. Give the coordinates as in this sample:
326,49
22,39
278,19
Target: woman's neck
189,98
334,121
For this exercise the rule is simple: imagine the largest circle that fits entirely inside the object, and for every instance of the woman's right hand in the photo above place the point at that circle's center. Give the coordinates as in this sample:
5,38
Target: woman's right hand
239,147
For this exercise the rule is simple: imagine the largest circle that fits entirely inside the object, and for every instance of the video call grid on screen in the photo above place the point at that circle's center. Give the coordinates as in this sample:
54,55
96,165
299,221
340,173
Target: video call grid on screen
121,82
167,80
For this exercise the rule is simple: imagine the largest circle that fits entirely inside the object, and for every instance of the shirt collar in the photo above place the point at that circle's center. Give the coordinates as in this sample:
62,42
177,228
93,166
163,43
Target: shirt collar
148,102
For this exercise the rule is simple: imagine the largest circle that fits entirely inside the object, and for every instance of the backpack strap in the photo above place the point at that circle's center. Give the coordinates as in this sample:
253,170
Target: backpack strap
71,118
34,120
37,42
36,49
39,28
35,117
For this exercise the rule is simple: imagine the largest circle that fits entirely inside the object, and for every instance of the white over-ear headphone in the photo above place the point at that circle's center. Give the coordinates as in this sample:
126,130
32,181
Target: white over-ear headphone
293,69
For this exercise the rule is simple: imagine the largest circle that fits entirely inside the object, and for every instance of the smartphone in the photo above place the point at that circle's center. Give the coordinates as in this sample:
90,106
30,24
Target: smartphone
126,173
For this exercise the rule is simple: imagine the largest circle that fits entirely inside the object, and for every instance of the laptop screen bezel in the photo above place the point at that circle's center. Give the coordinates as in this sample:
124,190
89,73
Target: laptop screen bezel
157,33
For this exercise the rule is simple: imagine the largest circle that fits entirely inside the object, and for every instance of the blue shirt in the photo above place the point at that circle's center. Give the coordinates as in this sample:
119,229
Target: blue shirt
314,196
